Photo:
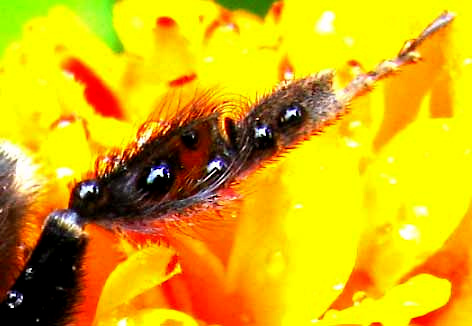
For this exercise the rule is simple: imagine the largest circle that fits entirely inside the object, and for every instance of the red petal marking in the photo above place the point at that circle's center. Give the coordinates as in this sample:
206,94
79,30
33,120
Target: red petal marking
286,70
165,22
225,20
96,92
276,10
182,80
354,64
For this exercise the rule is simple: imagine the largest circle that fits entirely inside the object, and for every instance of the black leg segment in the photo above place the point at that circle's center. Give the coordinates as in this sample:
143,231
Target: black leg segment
48,289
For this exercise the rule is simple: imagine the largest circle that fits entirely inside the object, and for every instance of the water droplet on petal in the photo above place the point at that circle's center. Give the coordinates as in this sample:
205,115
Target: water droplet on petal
325,23
421,211
122,322
409,232
338,287
358,297
298,206
276,264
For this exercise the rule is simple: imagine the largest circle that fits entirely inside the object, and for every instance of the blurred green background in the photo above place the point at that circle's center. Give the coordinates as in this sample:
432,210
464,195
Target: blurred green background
97,14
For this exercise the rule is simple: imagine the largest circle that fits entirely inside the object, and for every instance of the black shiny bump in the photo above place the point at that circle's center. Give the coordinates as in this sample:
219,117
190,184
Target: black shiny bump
216,165
14,299
29,273
263,136
291,116
85,197
190,139
87,191
159,179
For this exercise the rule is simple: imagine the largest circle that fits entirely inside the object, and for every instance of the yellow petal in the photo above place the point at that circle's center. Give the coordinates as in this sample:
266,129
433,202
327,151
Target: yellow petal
418,296
417,194
143,270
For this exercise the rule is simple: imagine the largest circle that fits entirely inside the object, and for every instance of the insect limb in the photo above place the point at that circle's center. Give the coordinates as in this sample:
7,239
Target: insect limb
407,55
205,149
441,21
48,288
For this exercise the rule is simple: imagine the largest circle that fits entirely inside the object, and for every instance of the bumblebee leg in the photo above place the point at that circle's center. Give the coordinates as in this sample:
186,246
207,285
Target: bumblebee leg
48,289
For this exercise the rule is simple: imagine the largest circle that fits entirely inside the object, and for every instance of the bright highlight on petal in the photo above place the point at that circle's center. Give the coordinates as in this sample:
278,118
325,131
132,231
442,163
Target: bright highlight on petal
397,307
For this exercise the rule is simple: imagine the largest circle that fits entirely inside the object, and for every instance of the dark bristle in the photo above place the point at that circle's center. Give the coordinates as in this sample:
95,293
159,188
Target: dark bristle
231,131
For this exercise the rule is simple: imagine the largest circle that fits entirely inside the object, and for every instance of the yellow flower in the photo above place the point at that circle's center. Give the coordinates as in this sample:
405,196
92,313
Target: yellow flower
367,222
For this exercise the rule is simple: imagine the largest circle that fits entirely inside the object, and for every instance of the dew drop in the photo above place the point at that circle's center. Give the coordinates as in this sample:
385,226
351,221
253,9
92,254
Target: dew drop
421,211
338,287
392,181
276,265
409,232
64,172
325,23
298,206
122,322
358,297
